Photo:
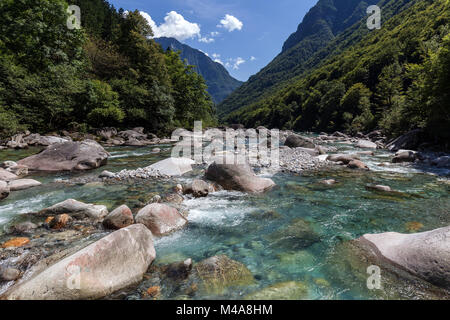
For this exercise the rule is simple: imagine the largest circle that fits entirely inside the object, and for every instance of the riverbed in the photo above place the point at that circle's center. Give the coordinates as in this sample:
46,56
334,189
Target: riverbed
247,228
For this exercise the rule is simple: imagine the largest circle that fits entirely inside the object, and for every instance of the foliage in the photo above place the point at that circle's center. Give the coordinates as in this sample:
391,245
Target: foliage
109,73
395,78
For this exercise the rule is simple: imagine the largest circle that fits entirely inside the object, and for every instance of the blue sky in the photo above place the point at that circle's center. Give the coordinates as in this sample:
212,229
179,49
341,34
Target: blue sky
245,35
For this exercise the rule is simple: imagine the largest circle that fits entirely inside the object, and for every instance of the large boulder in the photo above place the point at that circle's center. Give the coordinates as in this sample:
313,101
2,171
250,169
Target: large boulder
366,144
23,184
4,190
238,177
410,140
68,156
119,218
198,188
173,166
295,141
6,175
404,156
160,218
425,255
110,264
37,140
76,209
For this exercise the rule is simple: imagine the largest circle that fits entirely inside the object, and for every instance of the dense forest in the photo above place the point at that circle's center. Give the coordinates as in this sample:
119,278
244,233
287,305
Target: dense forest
108,73
396,78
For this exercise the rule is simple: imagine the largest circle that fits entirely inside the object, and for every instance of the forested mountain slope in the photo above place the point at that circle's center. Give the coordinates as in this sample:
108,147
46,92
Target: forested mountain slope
220,83
395,78
326,20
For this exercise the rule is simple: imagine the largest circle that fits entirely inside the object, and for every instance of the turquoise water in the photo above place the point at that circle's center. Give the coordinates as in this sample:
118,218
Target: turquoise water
250,228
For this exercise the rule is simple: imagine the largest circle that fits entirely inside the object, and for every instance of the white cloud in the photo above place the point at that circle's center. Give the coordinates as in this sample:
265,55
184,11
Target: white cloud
237,62
215,55
174,26
234,63
252,58
206,40
230,23
214,33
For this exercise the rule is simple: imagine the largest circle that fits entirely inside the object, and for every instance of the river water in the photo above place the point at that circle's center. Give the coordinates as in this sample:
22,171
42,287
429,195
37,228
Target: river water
250,228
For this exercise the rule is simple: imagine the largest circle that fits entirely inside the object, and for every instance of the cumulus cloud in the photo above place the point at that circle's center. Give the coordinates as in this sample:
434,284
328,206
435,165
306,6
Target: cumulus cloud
174,26
206,40
230,23
252,58
234,63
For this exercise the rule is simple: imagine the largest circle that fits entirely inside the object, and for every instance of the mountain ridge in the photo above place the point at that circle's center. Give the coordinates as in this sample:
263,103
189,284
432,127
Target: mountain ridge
220,83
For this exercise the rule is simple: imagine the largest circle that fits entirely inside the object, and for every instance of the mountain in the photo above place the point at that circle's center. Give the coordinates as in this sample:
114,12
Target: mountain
220,83
320,26
395,78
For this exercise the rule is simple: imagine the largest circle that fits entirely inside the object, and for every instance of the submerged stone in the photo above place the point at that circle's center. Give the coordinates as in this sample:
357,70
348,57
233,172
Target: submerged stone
298,235
219,272
292,290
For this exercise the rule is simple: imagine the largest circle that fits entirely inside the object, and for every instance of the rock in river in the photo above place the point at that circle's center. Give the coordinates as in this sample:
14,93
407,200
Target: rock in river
23,184
366,144
238,177
198,188
298,235
110,264
4,190
219,272
295,141
6,175
425,255
173,166
76,209
119,218
160,218
68,156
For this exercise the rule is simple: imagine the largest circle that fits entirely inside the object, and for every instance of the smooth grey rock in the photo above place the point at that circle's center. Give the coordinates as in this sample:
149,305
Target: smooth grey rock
7,176
404,156
296,141
4,190
8,164
110,264
76,209
120,217
23,184
68,156
160,218
425,255
106,174
173,166
366,144
238,177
